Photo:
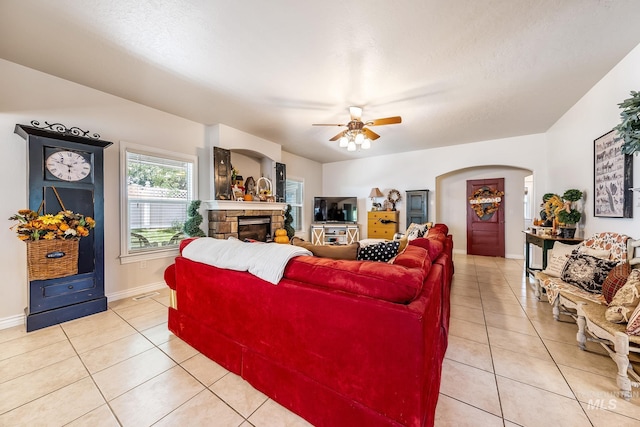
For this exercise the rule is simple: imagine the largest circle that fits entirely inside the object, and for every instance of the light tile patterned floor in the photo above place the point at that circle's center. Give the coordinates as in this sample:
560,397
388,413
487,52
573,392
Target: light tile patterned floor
508,363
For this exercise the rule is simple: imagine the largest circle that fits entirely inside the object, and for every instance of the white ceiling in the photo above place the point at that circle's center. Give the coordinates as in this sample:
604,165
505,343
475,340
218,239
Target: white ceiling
457,71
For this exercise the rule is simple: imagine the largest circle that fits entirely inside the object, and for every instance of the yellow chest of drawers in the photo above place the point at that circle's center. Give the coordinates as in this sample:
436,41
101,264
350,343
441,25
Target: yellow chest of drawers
382,224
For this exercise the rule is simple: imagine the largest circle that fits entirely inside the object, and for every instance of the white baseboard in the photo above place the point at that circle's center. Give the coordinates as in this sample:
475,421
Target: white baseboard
129,293
17,320
11,321
510,256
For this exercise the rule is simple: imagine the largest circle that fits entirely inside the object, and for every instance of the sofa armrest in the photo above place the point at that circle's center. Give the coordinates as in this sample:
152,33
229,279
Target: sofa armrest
170,276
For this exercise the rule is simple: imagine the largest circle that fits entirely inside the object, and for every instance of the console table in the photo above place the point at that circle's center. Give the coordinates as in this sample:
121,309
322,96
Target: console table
334,234
546,243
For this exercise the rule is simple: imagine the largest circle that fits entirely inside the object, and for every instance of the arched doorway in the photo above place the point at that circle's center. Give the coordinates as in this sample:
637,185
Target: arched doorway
451,204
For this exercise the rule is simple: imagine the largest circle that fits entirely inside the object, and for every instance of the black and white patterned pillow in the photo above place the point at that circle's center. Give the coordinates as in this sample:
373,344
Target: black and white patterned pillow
415,231
382,252
586,271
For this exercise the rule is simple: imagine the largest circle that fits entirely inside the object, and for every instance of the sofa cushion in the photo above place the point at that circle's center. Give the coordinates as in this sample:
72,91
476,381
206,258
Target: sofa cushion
390,282
560,248
616,279
433,247
436,235
598,253
329,251
416,230
414,259
440,227
382,251
555,263
633,327
586,271
625,300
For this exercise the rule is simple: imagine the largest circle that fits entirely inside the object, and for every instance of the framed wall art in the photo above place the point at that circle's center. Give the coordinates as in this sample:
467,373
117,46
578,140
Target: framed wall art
612,178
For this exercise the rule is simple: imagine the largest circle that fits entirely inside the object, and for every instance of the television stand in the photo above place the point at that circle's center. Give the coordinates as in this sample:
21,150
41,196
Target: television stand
334,234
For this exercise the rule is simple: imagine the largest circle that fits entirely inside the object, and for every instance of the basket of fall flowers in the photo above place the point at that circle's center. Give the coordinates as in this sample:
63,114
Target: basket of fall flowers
52,241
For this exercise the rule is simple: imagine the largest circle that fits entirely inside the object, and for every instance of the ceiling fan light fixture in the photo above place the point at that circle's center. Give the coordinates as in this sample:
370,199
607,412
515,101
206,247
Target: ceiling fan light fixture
351,146
344,141
359,138
366,144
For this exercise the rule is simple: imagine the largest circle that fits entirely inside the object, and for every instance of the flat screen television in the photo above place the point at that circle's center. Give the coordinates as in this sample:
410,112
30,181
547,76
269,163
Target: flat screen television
339,209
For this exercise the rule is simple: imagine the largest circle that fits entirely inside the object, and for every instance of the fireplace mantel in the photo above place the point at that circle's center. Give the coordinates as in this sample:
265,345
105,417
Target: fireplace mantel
233,205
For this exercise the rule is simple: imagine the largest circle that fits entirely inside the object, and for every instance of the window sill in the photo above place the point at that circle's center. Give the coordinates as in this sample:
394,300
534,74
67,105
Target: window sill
149,255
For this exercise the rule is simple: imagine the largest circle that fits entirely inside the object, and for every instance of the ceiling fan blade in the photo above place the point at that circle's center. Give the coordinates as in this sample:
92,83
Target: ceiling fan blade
385,121
327,124
355,112
338,136
370,134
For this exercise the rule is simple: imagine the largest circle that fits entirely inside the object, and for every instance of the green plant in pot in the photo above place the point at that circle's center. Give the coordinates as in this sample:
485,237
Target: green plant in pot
629,128
568,215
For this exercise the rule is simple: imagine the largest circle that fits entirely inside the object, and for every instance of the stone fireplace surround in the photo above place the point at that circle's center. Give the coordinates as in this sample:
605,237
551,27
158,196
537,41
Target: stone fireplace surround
223,216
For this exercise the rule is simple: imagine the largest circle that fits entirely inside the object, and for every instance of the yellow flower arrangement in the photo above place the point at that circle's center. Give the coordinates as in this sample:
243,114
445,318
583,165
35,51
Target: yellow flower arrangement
64,225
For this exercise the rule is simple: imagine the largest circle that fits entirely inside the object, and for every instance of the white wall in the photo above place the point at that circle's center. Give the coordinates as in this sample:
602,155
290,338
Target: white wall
571,141
454,206
31,95
420,169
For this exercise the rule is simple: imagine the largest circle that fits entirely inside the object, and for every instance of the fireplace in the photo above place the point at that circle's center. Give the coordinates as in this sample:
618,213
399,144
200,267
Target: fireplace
224,217
254,227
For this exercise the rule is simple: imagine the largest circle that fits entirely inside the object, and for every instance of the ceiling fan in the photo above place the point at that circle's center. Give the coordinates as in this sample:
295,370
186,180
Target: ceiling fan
357,134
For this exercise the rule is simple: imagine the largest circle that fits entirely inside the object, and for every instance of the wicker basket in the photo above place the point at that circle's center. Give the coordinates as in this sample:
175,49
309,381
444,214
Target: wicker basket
48,259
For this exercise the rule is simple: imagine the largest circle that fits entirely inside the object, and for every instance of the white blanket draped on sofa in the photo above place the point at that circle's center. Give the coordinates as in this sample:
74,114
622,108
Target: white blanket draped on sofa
264,260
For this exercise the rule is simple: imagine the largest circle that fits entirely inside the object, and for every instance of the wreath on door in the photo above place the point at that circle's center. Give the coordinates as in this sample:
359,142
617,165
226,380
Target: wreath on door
485,201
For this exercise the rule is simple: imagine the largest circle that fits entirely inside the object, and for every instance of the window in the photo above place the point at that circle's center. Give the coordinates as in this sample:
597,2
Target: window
295,197
157,186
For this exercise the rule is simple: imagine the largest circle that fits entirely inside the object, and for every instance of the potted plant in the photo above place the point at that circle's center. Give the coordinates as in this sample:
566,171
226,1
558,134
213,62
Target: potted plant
550,204
568,216
629,127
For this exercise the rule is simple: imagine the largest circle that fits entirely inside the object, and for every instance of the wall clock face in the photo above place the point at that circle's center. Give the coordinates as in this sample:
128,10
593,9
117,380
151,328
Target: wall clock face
68,165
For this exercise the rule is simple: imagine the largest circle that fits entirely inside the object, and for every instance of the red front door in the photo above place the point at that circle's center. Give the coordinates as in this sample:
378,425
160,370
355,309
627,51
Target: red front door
485,217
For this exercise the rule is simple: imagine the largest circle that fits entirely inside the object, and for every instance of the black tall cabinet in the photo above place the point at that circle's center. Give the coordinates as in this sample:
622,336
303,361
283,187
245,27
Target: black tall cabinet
81,190
417,206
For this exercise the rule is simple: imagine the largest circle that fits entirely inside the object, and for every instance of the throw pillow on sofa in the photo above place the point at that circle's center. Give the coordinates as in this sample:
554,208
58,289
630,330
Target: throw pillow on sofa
382,252
416,230
433,247
633,327
555,263
616,279
560,248
598,253
625,300
586,271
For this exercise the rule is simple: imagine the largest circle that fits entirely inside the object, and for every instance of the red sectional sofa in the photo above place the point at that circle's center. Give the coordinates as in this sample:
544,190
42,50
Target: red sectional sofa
339,342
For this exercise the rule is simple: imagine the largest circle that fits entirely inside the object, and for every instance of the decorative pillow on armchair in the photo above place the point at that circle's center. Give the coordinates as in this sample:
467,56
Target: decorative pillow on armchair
625,301
555,263
379,252
615,280
587,272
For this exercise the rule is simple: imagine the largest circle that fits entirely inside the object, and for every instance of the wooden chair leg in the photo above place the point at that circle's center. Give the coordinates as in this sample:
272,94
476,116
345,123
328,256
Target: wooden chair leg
621,357
556,308
582,324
